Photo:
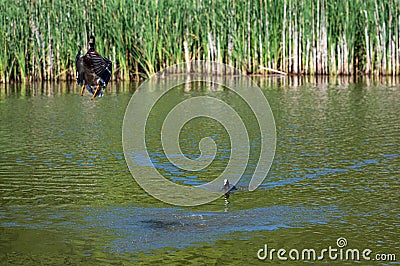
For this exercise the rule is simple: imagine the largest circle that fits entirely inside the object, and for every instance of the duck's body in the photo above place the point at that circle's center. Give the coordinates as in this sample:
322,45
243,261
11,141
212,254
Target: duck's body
93,71
227,189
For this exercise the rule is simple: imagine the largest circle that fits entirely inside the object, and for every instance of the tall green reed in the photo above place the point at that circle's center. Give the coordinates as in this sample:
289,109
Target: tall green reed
41,37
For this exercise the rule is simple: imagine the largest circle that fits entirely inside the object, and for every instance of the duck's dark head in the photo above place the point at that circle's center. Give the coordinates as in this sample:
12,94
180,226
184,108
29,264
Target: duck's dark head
91,42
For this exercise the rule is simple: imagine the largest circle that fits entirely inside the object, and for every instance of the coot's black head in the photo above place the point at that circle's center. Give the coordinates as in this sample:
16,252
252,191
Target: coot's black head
91,42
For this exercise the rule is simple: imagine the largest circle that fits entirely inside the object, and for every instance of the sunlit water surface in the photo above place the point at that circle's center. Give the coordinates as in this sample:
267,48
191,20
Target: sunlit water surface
67,195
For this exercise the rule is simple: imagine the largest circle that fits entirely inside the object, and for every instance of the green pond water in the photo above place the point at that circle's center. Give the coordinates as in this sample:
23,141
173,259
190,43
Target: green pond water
67,196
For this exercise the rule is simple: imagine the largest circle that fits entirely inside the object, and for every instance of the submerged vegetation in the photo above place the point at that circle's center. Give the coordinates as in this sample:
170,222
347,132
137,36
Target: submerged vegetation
40,38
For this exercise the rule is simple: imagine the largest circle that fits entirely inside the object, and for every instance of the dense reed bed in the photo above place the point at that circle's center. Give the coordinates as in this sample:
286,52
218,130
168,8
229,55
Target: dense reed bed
40,37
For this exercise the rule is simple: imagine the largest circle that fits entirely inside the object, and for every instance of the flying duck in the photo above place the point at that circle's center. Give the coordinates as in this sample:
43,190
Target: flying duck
93,71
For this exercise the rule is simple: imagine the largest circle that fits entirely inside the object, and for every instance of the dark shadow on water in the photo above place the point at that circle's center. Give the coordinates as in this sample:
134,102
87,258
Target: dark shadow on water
133,229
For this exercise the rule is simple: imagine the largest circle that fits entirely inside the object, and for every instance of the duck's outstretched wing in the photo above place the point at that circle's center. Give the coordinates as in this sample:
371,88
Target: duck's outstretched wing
79,68
101,66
